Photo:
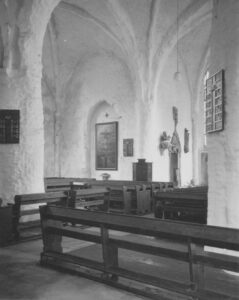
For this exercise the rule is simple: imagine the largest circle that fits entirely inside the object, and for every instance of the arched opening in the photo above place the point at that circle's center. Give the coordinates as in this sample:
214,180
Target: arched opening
102,113
78,73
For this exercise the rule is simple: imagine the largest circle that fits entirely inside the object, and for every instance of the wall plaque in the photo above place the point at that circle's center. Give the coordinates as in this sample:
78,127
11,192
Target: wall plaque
106,142
214,103
128,147
9,126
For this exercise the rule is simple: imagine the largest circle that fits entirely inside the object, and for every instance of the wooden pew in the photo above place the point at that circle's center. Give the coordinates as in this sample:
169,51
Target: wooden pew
91,198
120,199
26,211
151,185
26,218
196,189
182,204
139,202
54,184
141,193
135,200
189,238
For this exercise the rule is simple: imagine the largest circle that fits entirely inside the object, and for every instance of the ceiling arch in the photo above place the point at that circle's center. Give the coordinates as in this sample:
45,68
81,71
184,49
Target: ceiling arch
81,12
195,14
145,62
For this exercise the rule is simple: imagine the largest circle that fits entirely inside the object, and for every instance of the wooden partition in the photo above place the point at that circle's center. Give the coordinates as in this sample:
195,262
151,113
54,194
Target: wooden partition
190,239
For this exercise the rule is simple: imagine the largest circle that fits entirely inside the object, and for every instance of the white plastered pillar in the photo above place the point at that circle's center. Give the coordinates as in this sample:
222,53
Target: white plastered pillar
223,147
22,165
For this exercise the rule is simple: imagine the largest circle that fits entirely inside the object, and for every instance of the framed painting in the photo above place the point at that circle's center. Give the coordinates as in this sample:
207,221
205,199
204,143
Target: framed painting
106,146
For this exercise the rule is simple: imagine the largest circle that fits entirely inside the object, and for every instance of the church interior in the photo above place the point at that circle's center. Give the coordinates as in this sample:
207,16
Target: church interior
118,174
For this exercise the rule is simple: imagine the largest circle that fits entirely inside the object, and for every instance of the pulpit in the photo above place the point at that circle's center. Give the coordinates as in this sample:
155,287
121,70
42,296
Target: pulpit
142,170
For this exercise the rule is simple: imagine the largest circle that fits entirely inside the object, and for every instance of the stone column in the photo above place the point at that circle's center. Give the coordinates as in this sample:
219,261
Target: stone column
20,81
223,147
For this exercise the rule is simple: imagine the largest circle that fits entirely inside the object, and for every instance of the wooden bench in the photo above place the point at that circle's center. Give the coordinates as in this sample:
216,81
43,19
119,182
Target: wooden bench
140,201
130,199
91,198
185,205
189,238
6,225
26,218
196,189
54,184
26,211
149,185
120,199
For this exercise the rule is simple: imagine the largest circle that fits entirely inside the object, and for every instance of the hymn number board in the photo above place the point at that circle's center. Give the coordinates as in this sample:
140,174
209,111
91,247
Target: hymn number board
9,126
214,102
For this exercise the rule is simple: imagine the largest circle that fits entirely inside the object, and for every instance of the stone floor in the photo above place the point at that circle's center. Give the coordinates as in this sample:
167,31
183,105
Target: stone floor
22,278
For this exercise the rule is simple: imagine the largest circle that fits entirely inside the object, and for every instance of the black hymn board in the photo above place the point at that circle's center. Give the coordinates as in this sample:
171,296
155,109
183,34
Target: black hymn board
214,103
9,126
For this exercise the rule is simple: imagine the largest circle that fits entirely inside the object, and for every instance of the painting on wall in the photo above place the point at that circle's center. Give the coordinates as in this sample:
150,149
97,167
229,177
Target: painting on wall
106,143
128,147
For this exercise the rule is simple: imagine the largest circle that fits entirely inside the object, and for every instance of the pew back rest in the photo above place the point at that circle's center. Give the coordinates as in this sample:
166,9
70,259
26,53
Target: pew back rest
53,184
174,204
181,199
204,235
89,197
196,189
26,207
149,185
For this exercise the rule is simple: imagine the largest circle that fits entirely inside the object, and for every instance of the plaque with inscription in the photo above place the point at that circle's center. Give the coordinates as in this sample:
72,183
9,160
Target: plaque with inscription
214,103
128,147
9,126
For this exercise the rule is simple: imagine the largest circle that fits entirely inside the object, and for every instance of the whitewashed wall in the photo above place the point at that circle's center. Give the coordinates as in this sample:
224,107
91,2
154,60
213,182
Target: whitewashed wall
223,163
129,63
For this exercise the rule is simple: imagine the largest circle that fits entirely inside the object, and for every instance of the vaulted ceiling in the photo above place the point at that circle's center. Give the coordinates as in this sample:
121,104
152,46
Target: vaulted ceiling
140,34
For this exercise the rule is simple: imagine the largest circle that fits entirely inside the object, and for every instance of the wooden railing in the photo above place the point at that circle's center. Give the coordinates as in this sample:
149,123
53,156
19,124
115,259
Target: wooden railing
190,238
